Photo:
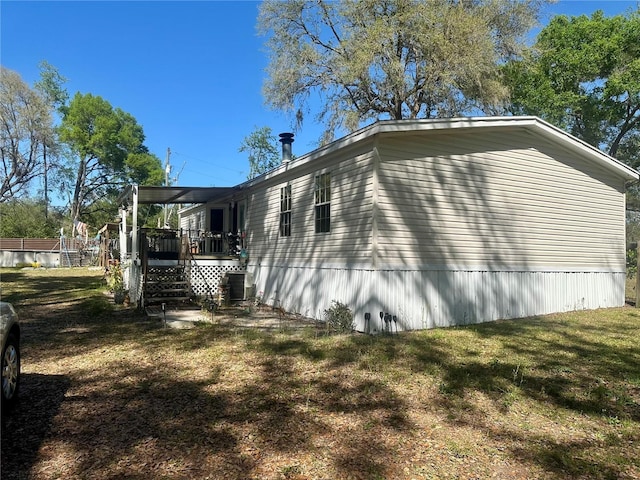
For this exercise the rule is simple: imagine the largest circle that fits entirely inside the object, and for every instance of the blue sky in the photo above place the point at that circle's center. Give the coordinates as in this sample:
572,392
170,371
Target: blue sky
191,73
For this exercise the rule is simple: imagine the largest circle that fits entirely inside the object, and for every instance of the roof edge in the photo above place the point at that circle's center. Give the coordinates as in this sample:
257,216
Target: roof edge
396,126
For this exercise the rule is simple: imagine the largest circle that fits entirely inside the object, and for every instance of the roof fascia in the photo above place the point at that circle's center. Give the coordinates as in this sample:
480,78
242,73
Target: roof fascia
581,147
531,123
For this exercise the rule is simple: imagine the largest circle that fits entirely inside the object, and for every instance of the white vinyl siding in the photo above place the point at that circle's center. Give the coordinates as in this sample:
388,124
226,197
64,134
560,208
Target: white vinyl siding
194,219
497,201
437,298
443,223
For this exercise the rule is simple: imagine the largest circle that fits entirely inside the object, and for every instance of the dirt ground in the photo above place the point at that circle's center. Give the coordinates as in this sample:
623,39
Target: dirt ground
240,315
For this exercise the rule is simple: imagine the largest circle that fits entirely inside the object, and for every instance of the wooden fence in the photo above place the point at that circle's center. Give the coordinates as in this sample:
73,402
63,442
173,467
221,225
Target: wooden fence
38,244
66,252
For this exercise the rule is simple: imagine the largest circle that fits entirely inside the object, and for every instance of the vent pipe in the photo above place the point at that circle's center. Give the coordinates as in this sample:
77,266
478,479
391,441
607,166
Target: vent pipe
287,140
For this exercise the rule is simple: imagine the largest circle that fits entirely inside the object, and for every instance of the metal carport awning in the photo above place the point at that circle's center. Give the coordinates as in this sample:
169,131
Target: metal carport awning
174,195
133,195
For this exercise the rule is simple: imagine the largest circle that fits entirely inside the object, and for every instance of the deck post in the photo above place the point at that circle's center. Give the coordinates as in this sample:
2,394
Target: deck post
123,235
134,227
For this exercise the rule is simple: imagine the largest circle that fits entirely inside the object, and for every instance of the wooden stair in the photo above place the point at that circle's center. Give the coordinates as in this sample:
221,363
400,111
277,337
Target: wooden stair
166,284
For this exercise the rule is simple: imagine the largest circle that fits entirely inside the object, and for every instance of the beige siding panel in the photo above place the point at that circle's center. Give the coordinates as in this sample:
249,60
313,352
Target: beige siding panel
351,198
496,200
195,220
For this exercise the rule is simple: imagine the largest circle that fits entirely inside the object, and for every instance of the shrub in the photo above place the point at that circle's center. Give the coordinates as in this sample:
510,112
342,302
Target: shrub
339,317
115,280
27,265
632,262
208,304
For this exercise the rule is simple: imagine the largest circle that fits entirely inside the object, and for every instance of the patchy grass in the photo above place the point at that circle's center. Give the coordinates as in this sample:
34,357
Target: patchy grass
108,393
630,290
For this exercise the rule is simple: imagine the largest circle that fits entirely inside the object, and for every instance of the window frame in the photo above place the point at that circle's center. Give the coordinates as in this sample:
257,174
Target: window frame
322,202
284,227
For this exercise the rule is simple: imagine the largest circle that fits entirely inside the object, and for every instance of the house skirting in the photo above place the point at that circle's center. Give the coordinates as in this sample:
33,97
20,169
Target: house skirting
206,274
430,298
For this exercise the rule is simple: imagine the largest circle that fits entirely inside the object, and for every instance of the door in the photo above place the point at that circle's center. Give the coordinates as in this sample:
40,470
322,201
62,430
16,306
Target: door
217,220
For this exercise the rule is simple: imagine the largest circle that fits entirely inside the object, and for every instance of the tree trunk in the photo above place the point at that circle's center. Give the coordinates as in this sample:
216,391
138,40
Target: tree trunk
78,192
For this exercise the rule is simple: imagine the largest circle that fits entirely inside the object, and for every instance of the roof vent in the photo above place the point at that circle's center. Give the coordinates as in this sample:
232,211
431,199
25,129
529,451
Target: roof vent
287,140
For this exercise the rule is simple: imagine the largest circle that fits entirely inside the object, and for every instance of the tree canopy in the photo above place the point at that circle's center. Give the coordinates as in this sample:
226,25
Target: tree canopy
583,75
108,150
262,147
89,156
28,217
51,86
394,59
26,128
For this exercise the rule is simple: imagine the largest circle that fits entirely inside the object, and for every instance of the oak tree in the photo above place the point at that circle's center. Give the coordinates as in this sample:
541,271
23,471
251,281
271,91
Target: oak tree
26,128
51,87
108,151
583,74
262,148
366,60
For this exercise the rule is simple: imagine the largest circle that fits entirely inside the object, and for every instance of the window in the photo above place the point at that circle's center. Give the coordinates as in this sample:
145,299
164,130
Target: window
285,211
323,202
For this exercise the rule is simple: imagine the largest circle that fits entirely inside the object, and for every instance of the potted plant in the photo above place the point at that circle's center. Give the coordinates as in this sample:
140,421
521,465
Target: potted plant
115,281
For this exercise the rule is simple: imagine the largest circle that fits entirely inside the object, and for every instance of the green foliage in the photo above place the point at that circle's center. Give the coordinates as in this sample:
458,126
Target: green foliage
629,150
107,147
26,219
339,318
51,86
381,59
96,131
95,151
26,126
115,280
583,74
632,262
262,147
144,169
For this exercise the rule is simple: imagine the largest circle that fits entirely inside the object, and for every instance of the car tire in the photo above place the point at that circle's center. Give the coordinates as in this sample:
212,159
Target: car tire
10,380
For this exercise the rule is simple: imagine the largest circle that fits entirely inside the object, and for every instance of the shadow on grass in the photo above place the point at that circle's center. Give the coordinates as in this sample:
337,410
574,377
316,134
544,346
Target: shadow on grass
47,286
567,459
152,415
331,399
26,427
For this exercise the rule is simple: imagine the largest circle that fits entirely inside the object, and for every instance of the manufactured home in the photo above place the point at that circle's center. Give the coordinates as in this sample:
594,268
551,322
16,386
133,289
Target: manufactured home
416,224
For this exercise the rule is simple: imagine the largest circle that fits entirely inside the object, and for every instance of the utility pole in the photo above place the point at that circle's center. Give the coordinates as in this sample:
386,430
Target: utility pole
167,171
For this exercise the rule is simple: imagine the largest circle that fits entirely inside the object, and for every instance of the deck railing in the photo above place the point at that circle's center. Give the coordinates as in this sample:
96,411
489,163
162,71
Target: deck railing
43,244
163,243
202,242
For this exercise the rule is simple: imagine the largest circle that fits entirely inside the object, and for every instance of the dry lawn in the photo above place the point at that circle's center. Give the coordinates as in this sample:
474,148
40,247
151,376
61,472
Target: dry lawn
110,394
